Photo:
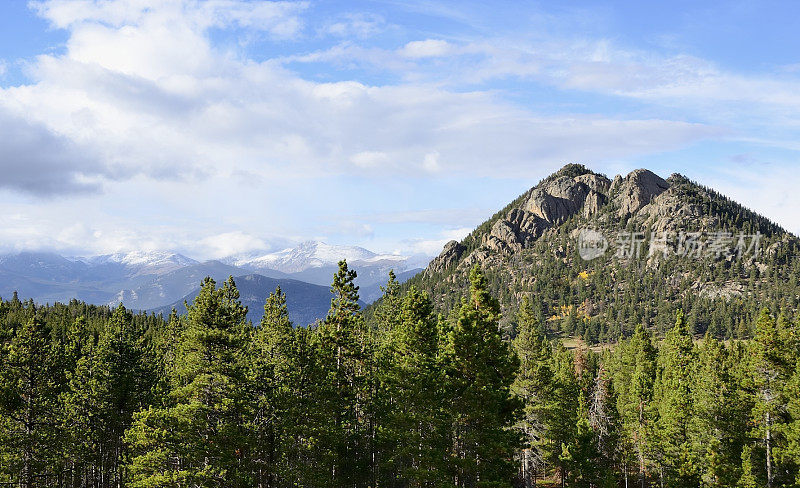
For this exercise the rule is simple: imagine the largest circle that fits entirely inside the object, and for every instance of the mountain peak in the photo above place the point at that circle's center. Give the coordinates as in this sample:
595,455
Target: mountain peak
571,170
713,249
144,258
312,254
636,190
576,194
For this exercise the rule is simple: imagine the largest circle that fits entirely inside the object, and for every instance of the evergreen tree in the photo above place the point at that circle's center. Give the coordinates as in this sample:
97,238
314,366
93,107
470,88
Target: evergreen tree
562,424
29,409
676,409
533,385
604,421
198,440
480,370
271,376
790,454
414,428
633,369
388,310
110,381
345,348
580,456
642,415
769,370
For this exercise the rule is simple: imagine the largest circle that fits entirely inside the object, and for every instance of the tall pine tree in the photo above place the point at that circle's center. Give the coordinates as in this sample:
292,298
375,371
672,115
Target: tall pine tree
480,370
198,439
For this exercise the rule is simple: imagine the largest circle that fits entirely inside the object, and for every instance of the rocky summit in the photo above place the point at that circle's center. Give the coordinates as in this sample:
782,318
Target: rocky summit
710,252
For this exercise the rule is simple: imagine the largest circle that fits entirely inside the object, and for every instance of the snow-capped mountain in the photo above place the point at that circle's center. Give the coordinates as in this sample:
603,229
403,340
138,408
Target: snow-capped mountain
149,262
316,262
313,254
43,266
149,280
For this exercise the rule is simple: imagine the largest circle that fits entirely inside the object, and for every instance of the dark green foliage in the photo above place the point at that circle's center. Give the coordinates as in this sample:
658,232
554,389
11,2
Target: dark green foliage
480,369
676,408
535,387
92,396
29,386
111,380
414,432
197,438
717,294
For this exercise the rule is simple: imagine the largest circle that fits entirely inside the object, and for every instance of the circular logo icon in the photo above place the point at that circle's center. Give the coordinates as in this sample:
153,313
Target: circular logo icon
591,244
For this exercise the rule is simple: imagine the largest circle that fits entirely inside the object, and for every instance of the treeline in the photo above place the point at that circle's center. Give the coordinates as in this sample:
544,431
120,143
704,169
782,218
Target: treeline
676,412
97,397
207,399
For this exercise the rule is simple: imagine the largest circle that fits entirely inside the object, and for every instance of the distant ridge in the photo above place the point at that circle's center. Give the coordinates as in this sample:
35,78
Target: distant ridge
305,302
153,280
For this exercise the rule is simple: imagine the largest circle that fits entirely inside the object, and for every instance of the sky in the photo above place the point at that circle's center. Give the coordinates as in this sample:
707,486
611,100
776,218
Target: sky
221,127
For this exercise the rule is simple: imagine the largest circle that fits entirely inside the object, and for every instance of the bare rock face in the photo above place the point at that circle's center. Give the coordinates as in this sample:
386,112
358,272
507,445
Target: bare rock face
597,183
450,254
637,190
593,202
478,256
515,232
549,204
557,200
667,212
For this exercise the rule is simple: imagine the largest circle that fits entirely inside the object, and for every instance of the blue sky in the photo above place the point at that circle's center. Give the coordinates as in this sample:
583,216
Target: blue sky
224,126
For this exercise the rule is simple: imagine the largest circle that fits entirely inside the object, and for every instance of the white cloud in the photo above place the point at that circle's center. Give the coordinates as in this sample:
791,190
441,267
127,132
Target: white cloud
429,48
278,18
358,25
430,162
38,160
369,159
175,107
40,230
461,217
230,243
702,90
354,229
432,247
143,104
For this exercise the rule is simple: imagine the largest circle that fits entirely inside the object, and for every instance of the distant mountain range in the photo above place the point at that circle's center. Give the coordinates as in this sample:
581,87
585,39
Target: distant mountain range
156,281
306,302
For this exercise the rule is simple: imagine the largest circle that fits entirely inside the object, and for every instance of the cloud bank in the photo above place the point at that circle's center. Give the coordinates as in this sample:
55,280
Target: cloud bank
170,99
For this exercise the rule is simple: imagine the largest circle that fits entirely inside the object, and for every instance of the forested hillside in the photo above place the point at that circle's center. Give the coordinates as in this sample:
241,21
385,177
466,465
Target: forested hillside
671,244
98,397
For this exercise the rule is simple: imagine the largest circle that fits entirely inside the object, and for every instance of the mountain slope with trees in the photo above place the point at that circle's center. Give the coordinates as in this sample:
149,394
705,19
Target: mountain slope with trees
691,250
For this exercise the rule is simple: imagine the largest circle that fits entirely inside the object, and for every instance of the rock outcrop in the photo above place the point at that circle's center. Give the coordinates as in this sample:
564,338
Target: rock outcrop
450,254
556,201
516,232
549,204
598,183
637,190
